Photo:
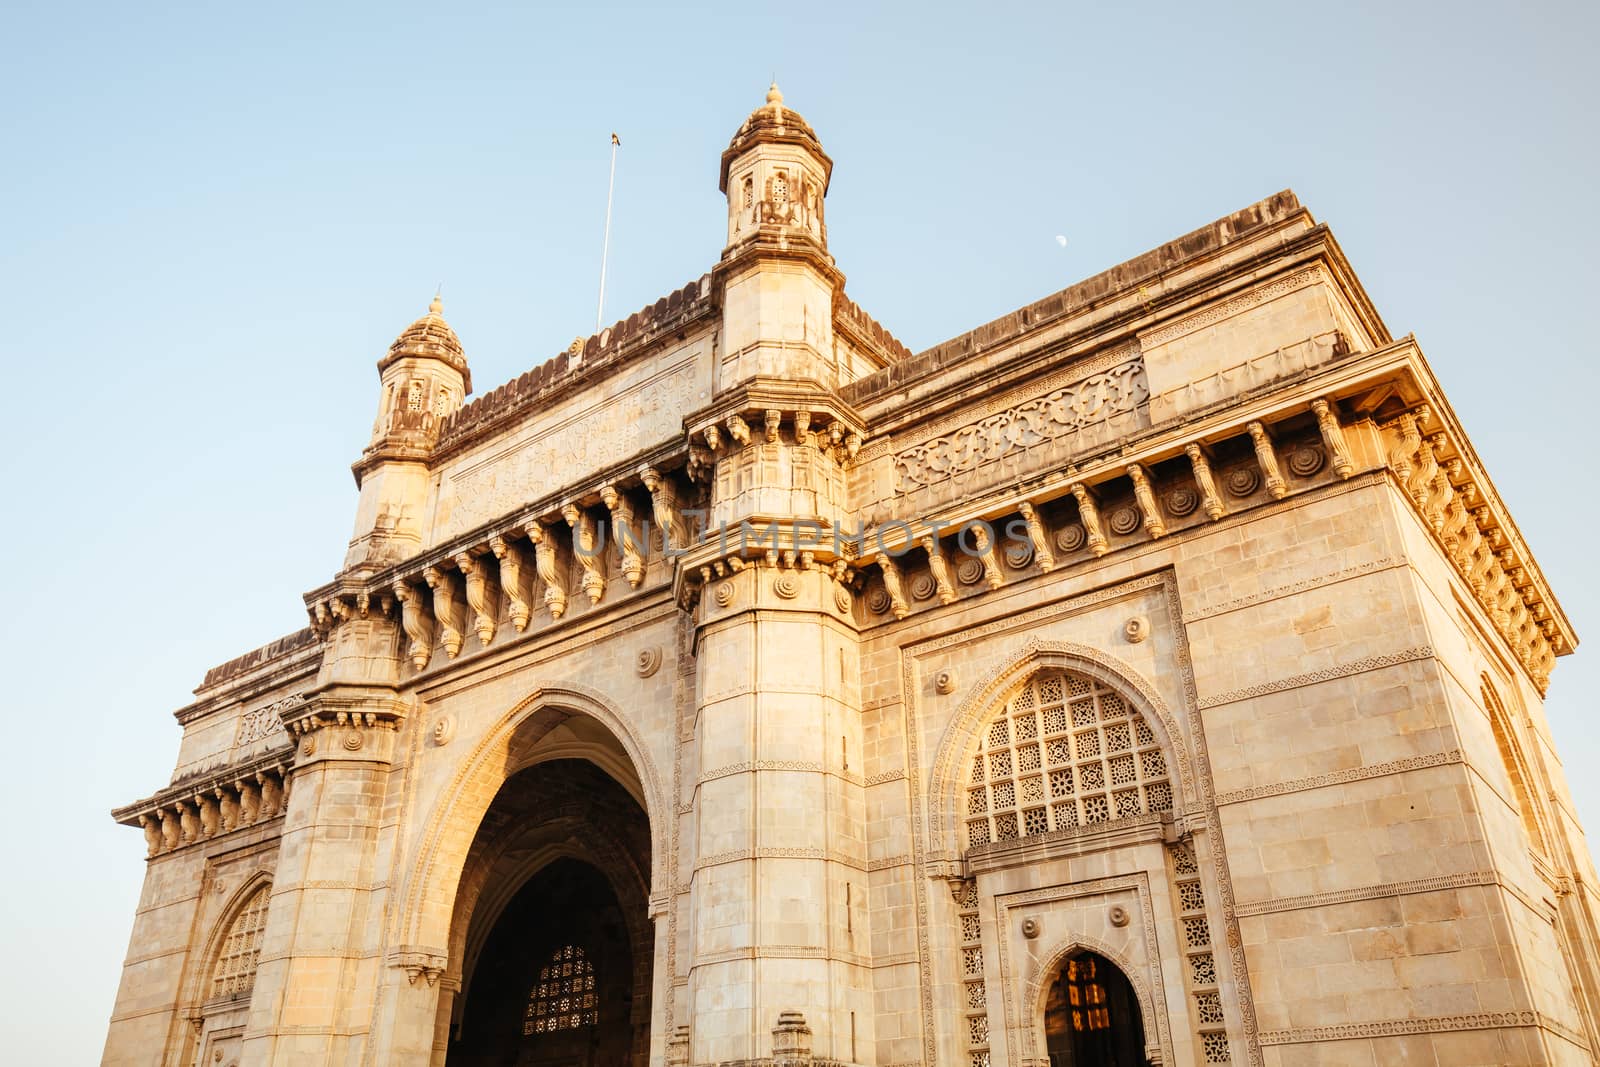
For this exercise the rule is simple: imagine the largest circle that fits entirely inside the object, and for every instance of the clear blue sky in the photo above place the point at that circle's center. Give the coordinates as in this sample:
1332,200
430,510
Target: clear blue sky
217,217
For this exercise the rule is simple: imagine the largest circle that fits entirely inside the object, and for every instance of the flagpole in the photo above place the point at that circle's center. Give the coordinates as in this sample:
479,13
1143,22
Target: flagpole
605,248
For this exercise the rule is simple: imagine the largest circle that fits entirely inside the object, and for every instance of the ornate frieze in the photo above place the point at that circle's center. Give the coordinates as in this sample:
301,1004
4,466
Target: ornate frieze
1056,414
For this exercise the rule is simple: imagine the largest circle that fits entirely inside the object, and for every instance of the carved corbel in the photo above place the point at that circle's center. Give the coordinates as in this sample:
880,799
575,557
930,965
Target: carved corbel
249,801
702,464
1147,501
513,579
586,548
713,437
664,501
1439,492
738,429
774,419
445,609
228,807
939,567
1333,437
852,445
152,835
1210,500
1457,519
271,794
892,583
802,427
1421,482
1404,450
984,543
210,818
1268,459
1038,536
627,538
551,564
415,621
480,595
171,831
1089,515
188,822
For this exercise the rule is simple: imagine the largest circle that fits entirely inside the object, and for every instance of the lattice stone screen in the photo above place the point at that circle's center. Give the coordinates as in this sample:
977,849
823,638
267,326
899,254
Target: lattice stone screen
1066,751
235,972
564,997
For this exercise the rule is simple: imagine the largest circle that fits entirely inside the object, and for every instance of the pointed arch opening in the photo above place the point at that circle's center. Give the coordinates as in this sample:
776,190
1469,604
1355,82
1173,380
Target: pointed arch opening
1130,759
1516,766
1092,1016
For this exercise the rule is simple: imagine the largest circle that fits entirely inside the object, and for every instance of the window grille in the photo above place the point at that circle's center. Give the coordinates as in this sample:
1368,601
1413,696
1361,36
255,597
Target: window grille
1066,751
564,997
235,973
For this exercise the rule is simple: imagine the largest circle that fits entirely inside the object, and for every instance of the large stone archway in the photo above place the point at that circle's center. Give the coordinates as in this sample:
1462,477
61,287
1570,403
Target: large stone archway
558,865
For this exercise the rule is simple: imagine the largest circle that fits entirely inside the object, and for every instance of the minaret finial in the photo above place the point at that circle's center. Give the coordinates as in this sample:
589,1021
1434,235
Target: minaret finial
436,305
774,94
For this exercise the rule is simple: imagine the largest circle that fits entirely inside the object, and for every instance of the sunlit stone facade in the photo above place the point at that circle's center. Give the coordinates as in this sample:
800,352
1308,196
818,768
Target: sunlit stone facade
1151,673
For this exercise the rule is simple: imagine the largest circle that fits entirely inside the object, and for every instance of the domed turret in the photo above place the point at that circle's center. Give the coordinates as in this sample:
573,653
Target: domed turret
425,377
775,173
430,337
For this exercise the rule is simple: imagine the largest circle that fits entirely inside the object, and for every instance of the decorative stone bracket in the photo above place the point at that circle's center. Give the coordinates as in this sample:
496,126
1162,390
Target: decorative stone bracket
420,964
1476,536
218,804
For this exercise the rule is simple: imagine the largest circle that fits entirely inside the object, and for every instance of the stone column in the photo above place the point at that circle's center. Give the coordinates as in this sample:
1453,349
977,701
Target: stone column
317,977
779,883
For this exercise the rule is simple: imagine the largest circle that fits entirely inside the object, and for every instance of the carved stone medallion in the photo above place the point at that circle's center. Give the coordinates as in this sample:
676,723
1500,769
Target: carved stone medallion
1182,500
1307,460
1124,520
1070,537
1241,481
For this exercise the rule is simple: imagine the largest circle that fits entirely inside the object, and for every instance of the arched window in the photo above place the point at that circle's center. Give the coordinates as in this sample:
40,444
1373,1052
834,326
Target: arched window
441,402
564,997
1516,770
414,397
234,976
780,188
749,193
1066,751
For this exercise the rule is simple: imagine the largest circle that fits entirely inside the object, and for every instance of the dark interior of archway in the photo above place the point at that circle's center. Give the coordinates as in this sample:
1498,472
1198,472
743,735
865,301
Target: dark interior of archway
592,900
555,982
1091,1018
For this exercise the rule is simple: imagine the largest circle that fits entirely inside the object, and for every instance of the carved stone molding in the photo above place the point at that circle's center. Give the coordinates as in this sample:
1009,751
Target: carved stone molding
1369,892
1349,774
1489,1020
1370,663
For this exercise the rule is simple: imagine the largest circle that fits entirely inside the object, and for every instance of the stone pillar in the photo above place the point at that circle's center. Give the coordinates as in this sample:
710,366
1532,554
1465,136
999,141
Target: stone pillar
779,883
316,978
791,1041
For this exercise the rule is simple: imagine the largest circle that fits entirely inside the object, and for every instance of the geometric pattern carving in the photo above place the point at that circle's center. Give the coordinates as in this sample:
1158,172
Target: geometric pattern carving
564,997
1200,970
1065,751
977,998
235,973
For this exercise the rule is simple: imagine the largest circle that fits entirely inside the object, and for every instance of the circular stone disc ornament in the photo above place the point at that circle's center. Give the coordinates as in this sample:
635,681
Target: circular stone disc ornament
969,571
1124,520
1070,537
1241,481
1306,460
1018,555
1182,500
878,600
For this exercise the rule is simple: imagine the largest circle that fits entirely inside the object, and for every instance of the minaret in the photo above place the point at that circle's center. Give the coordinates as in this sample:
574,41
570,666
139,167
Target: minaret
776,275
424,378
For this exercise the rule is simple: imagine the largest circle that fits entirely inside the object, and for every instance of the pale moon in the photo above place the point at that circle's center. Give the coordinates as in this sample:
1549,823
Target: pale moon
1060,240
